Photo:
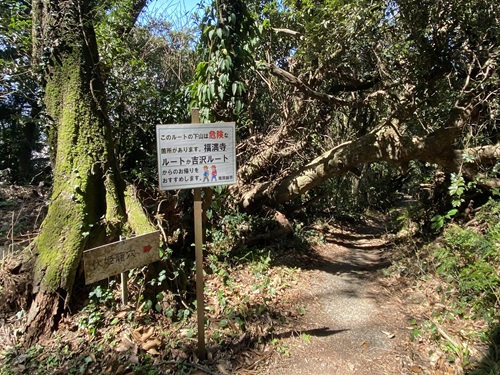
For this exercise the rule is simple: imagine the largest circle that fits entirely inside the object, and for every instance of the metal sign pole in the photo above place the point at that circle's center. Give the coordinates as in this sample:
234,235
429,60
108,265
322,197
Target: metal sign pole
198,241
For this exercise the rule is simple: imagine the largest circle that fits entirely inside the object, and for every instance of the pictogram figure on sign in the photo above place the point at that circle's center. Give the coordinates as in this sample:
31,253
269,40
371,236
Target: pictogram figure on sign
205,174
214,173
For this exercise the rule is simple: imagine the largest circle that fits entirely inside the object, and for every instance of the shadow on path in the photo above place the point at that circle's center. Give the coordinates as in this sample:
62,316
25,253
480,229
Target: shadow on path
356,329
360,252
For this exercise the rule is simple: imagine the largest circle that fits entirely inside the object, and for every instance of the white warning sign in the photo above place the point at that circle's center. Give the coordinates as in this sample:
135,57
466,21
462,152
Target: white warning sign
196,155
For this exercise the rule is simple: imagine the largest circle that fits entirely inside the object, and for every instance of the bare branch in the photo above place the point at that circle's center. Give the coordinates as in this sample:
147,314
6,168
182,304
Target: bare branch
297,82
287,32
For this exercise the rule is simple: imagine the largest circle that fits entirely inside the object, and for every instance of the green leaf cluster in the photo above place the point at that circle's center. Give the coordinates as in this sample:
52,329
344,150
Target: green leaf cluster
228,42
20,109
147,71
470,258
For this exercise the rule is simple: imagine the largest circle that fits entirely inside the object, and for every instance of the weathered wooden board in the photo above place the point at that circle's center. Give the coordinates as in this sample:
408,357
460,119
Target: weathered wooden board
117,257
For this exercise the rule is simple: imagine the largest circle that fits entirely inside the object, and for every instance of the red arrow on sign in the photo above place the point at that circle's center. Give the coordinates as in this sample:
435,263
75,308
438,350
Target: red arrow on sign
147,248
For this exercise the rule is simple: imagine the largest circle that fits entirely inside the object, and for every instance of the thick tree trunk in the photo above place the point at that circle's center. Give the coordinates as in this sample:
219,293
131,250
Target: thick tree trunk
87,203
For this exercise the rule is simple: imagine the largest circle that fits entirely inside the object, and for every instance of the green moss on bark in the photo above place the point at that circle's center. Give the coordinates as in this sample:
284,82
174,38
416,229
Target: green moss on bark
59,245
86,207
87,204
136,217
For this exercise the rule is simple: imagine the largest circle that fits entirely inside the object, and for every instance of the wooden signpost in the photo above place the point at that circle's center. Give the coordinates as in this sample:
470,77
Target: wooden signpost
117,257
189,156
197,156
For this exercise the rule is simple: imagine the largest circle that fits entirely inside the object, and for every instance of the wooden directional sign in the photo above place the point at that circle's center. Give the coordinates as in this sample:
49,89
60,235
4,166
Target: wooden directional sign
196,155
117,257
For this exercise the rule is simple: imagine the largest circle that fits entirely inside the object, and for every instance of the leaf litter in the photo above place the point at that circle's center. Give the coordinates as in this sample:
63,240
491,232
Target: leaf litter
255,316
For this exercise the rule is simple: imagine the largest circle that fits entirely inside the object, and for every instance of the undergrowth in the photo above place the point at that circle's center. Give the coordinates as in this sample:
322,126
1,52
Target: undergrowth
460,275
246,303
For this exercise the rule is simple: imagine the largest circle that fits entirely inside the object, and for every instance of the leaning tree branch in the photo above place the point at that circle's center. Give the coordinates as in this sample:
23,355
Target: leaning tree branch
383,144
283,31
329,98
268,156
303,87
133,9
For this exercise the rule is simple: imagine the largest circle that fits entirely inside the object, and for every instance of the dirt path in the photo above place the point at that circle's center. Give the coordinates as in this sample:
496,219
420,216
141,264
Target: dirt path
351,325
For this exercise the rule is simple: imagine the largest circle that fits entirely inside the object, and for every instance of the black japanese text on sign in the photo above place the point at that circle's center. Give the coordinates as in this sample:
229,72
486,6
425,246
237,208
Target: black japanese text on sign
196,155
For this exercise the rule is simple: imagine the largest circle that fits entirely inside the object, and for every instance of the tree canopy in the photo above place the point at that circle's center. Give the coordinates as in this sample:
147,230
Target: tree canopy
389,82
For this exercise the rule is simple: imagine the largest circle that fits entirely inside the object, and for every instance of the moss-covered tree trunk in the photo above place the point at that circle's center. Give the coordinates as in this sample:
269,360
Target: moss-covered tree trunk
87,204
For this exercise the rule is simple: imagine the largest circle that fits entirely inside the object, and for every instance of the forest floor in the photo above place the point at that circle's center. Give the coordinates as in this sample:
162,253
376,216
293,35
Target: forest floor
357,313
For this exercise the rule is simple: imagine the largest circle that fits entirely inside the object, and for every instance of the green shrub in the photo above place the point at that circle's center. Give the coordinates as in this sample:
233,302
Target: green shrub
469,259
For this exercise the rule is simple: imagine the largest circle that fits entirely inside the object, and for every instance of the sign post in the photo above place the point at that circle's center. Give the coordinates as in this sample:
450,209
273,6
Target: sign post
196,156
124,281
198,243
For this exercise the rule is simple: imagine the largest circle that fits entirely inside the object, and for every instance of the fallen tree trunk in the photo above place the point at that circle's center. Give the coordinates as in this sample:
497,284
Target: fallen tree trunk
382,145
284,227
